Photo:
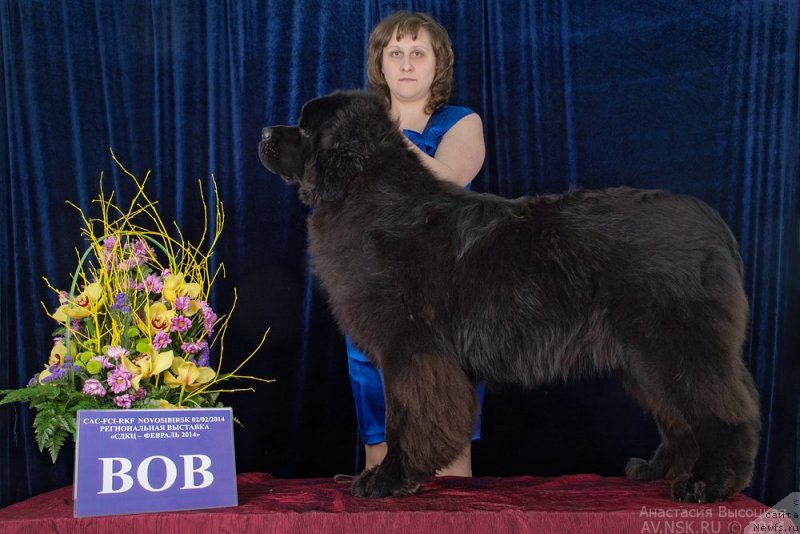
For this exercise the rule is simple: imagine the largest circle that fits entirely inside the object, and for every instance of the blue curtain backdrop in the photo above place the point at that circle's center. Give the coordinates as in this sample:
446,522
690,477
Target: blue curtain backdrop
694,97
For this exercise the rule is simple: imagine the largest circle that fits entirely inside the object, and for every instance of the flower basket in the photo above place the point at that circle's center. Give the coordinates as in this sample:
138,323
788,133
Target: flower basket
135,329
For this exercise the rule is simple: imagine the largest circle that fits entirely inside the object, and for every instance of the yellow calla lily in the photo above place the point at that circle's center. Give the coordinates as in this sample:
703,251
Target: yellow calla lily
187,374
147,365
160,318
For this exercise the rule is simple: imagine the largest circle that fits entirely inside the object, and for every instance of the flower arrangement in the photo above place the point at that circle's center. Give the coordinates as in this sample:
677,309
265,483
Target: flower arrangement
141,331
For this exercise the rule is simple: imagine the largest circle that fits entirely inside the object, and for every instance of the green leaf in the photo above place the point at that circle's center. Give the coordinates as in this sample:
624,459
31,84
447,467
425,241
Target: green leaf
143,345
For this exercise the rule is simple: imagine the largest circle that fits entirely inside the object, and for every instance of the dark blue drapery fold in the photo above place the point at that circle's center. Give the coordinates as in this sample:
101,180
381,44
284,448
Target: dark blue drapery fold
694,97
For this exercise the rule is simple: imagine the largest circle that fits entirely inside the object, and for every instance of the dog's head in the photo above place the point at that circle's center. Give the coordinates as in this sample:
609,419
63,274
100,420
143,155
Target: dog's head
329,146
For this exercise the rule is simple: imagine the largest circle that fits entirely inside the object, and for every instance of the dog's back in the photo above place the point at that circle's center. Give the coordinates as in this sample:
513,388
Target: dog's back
582,276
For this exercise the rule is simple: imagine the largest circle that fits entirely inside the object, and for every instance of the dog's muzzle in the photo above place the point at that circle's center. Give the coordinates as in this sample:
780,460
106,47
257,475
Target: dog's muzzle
267,150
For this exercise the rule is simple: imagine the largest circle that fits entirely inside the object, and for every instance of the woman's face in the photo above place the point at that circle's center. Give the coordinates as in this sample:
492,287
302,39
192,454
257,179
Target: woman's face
409,66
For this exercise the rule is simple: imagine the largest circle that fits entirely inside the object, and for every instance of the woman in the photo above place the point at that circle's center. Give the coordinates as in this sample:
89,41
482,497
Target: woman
410,63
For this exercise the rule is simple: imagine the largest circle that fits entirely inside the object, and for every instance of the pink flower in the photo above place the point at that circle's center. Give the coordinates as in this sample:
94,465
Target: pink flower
153,283
110,242
180,324
161,340
103,361
141,249
193,348
119,380
94,388
116,352
181,303
123,401
128,263
209,317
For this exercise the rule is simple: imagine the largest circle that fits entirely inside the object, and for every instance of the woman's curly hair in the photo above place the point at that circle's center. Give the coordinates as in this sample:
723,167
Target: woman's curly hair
398,25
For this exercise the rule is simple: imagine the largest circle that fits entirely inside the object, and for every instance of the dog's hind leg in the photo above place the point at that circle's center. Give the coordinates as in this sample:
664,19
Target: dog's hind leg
678,450
430,415
674,456
728,434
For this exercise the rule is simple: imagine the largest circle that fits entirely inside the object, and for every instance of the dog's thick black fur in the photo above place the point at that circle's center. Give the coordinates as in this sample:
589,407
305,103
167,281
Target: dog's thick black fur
443,287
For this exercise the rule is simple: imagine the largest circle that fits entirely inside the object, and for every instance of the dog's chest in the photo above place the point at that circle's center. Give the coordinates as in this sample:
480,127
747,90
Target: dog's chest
337,249
353,258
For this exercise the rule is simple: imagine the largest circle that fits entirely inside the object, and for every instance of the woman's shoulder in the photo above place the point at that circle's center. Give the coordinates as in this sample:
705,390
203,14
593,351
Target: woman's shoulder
446,116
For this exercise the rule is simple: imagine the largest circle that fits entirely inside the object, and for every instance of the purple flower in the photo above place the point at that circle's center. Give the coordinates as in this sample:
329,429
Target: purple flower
56,372
193,348
130,284
121,303
129,263
181,303
180,324
94,388
209,317
153,283
203,359
123,401
110,242
119,380
116,352
104,361
141,249
106,255
140,394
161,340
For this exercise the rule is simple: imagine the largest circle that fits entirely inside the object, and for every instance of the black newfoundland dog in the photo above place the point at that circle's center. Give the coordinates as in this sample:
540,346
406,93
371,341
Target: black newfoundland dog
443,287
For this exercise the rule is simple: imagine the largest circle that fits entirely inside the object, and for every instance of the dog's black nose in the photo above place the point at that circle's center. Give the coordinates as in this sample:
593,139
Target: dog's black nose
266,134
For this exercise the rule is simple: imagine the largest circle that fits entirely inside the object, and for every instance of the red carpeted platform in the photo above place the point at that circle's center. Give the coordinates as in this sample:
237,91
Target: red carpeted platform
576,503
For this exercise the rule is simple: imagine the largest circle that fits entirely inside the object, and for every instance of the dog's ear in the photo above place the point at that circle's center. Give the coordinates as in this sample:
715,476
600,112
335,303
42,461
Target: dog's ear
321,109
344,138
336,167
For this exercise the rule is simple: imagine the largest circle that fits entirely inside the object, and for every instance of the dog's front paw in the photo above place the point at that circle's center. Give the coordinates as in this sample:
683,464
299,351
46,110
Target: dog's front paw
375,482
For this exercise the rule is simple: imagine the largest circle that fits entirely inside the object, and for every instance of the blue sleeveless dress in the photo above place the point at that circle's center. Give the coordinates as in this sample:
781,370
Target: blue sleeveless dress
365,380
